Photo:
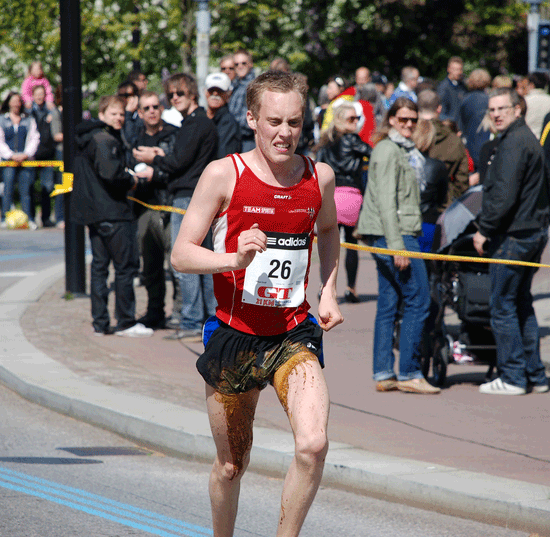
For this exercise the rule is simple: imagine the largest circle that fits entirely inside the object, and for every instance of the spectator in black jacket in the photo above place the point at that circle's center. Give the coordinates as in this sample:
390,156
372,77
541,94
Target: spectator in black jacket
155,137
99,201
341,148
513,224
217,96
195,147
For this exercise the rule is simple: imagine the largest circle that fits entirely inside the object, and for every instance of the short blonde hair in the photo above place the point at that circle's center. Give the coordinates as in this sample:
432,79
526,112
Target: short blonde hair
502,81
278,82
479,80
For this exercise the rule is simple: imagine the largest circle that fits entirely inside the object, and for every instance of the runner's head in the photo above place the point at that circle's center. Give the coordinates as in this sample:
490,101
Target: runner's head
276,105
277,82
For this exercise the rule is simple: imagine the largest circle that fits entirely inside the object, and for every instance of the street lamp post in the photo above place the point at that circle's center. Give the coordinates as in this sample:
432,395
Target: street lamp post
203,45
533,19
75,267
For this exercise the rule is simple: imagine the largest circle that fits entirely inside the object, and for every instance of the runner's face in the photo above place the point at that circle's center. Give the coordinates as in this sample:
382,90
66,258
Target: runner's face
278,125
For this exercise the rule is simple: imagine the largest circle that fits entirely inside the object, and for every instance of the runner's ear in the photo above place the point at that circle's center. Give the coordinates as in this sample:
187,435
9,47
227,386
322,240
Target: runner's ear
250,120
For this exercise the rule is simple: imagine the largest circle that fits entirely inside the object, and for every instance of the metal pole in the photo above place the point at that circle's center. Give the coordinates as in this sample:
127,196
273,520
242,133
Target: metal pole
203,46
75,267
533,19
136,35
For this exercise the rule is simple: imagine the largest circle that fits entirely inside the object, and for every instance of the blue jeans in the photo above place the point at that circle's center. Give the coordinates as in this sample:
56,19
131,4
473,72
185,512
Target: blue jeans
197,290
513,319
25,176
412,287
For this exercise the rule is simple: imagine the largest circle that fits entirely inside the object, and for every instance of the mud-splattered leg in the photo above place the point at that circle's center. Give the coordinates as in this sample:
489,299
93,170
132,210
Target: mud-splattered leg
303,392
231,418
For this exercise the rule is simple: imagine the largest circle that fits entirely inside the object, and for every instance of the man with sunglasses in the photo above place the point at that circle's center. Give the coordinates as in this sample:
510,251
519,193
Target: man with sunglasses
196,144
237,104
447,146
155,137
227,66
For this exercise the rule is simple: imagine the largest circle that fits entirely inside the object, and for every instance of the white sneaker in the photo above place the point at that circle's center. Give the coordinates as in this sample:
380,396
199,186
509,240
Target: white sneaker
498,387
3,225
138,330
32,225
540,388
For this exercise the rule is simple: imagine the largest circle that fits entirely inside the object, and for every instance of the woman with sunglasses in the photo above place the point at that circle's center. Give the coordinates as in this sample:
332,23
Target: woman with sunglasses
391,218
343,150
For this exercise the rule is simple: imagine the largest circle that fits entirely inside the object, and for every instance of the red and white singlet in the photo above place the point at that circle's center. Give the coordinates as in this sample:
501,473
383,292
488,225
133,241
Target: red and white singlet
268,297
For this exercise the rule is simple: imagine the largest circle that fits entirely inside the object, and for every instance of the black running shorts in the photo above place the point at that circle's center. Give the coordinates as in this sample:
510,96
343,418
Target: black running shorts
235,362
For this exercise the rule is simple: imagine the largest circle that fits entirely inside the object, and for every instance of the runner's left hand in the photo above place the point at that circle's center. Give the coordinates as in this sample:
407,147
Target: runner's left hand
329,312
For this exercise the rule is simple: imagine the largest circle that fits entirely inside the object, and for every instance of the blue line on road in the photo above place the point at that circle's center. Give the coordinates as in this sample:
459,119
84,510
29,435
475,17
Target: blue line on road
68,496
11,257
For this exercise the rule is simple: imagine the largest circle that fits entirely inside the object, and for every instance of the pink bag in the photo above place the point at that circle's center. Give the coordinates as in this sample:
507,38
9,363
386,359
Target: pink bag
348,204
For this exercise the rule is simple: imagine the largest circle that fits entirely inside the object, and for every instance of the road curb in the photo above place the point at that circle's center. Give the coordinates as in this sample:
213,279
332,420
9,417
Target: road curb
184,432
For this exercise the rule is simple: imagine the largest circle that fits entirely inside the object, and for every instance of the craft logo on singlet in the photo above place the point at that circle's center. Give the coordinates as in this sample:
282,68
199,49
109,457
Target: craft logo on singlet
287,241
310,211
258,210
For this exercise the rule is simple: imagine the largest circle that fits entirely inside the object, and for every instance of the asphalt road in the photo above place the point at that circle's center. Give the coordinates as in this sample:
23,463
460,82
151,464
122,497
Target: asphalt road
60,477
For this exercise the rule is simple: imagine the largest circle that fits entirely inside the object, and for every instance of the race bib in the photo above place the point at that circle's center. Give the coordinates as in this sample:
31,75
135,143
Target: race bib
276,277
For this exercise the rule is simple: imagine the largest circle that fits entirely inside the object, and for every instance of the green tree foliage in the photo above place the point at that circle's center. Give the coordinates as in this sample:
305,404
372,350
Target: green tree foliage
318,37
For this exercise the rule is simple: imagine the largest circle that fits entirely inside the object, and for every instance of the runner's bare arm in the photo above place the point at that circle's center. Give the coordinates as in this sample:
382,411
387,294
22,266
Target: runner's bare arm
211,197
328,243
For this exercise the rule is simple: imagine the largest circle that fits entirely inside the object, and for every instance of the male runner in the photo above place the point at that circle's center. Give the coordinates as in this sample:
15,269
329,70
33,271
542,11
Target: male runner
263,206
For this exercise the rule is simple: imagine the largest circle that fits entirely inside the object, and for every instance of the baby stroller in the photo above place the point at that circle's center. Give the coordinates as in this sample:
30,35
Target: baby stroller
465,288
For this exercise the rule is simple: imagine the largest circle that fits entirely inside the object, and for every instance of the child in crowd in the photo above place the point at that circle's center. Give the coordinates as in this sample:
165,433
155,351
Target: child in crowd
36,78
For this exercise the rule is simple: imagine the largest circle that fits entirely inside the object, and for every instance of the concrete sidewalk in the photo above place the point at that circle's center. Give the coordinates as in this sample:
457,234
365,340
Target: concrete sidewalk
170,417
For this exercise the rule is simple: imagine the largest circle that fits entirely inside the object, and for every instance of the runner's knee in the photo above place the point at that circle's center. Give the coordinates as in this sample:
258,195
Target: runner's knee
230,470
311,448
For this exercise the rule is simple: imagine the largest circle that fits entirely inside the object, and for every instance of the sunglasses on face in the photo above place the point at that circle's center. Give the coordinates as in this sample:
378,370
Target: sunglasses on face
126,95
172,94
405,120
353,119
153,106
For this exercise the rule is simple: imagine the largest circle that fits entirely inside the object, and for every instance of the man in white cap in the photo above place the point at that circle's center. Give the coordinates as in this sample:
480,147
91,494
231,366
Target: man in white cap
217,95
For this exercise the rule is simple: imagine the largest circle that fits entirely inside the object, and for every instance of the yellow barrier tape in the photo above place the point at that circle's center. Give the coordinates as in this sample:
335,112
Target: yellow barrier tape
63,188
372,249
33,164
167,208
441,257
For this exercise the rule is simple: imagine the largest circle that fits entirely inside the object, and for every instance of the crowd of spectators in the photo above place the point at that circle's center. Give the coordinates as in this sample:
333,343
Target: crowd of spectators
430,140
